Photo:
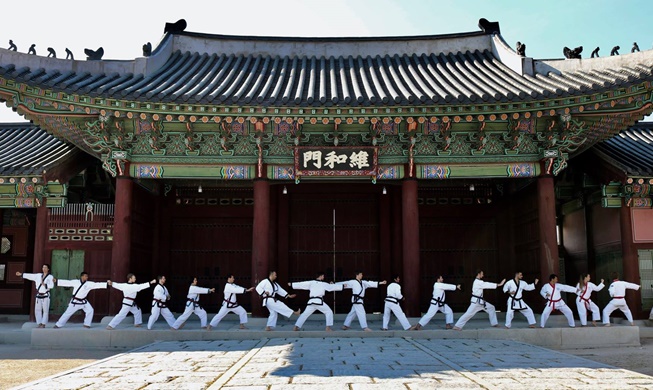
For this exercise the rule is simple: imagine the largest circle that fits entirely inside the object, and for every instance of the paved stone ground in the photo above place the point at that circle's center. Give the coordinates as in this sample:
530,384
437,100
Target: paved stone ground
345,363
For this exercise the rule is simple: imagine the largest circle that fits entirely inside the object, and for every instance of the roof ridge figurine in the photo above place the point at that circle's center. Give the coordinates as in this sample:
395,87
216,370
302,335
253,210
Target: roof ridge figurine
176,27
94,55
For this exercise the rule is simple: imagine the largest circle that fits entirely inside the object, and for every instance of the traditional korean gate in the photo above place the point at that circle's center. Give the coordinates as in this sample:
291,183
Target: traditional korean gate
352,243
66,264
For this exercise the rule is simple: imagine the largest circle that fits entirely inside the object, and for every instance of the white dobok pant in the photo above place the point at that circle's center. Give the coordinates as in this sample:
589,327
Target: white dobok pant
72,309
524,309
433,309
357,310
582,306
475,308
614,305
224,310
126,309
190,309
391,307
42,310
276,308
165,312
564,309
310,309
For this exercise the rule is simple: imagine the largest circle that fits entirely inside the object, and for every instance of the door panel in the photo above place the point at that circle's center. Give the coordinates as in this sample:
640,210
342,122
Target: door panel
66,264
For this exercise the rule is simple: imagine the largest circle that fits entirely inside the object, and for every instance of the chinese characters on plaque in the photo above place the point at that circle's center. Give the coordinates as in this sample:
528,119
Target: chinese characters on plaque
336,161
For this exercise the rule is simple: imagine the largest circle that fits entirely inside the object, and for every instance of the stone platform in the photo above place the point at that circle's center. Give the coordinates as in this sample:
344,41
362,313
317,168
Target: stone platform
556,335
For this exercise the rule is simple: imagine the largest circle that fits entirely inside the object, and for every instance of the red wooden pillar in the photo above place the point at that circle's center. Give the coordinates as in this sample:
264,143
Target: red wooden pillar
40,253
385,237
260,239
549,259
630,260
122,227
410,222
41,238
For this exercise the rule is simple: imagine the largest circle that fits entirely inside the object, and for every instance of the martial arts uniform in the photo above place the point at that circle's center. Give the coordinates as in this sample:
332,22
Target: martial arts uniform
514,288
584,302
555,302
42,304
358,288
230,304
193,306
79,301
269,291
438,304
392,300
159,306
129,305
478,303
316,291
617,291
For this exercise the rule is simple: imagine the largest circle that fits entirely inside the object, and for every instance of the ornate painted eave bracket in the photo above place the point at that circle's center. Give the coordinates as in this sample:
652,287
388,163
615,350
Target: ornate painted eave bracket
636,193
30,191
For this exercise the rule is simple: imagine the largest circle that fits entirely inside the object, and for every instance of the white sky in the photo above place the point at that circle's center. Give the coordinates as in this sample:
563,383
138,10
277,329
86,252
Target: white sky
122,26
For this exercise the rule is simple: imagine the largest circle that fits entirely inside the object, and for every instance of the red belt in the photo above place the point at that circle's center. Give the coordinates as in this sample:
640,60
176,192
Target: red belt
552,303
618,297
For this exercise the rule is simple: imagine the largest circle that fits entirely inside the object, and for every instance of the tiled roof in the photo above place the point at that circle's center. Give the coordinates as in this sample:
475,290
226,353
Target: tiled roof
28,150
630,150
198,68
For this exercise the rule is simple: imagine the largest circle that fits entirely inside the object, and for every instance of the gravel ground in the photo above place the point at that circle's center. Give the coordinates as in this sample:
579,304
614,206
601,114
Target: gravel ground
19,364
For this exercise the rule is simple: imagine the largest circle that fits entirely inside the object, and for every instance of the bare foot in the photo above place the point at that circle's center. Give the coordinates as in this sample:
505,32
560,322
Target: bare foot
507,327
138,325
87,327
495,326
448,326
268,328
297,312
594,323
367,330
383,329
57,327
328,329
242,326
171,328
531,326
457,328
295,328
109,328
208,327
343,327
204,327
632,324
607,324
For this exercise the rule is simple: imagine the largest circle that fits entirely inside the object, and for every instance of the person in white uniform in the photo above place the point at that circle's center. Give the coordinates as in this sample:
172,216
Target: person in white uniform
515,288
584,303
358,287
193,305
270,291
316,290
617,291
551,292
79,301
44,282
438,303
392,299
230,303
160,298
129,291
478,303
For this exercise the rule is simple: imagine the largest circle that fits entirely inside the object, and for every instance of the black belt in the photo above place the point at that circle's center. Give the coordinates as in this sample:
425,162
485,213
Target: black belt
357,299
231,305
129,299
392,300
479,299
195,303
42,296
315,304
437,302
512,304
159,303
78,301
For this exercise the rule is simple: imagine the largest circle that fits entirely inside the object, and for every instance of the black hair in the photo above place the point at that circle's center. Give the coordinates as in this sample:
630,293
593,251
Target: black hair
47,265
319,273
615,275
552,276
83,273
129,276
478,271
